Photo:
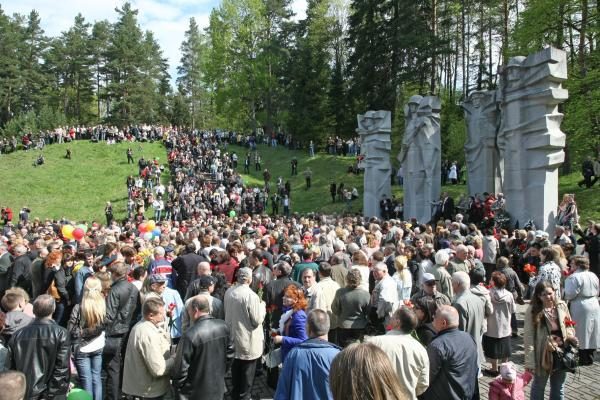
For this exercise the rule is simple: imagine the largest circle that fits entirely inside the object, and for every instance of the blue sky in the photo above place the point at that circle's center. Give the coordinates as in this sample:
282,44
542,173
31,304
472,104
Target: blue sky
168,19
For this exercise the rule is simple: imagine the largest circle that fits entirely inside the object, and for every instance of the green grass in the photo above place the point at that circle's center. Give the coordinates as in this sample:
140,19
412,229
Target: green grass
327,168
78,188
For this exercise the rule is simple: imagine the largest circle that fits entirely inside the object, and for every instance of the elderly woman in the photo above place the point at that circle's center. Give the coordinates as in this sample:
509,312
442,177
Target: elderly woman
582,290
496,341
545,318
351,306
292,324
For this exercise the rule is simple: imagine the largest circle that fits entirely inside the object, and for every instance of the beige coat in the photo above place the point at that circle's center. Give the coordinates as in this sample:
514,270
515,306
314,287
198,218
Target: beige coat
244,315
323,297
534,338
147,361
409,359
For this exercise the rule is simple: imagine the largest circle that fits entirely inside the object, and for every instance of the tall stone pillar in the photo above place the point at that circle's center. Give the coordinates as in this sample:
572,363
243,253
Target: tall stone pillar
421,157
530,140
375,129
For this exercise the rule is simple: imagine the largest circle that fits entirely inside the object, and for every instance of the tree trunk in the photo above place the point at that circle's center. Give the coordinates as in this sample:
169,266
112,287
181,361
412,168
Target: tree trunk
505,32
582,36
434,47
463,49
560,33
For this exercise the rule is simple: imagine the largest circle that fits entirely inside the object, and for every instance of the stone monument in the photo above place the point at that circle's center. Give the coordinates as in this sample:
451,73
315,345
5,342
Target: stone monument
530,141
375,128
482,116
420,157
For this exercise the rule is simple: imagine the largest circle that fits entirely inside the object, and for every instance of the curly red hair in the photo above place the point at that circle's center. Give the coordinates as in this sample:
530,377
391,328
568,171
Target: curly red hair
53,258
297,294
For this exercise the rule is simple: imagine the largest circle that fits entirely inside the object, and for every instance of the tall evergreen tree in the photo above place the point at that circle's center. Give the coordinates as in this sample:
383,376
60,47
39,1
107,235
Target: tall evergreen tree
310,65
191,74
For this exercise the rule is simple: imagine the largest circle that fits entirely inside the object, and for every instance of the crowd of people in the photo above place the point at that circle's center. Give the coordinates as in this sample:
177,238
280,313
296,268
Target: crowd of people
213,292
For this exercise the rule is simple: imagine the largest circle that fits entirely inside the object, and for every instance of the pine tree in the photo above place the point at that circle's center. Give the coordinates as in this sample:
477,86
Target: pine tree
191,74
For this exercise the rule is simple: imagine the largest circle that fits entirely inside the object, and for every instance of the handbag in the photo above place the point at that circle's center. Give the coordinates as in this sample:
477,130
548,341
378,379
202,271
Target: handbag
556,358
566,359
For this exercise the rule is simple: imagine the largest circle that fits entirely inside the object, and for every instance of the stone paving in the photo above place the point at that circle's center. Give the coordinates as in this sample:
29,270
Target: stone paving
585,385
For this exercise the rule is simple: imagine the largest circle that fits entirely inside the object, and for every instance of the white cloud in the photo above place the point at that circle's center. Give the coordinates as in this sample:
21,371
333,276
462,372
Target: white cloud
299,8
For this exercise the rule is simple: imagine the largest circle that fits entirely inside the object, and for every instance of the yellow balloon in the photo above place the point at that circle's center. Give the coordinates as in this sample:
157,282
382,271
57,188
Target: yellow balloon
150,225
67,231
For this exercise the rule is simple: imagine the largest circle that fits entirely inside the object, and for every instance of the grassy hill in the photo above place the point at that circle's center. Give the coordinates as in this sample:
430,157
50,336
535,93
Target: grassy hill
79,188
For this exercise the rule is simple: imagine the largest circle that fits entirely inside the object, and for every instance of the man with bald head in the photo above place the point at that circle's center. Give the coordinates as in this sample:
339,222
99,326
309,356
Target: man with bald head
453,365
195,288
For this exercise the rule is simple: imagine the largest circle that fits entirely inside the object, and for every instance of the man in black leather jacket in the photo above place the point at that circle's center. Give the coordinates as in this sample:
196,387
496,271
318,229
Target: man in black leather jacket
41,350
261,274
204,355
122,304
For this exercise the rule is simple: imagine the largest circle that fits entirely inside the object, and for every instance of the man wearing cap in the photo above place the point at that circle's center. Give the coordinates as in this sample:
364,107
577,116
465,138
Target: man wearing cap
173,302
429,292
206,286
244,315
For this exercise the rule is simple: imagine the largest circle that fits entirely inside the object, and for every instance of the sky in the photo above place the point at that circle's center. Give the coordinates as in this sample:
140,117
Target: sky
167,19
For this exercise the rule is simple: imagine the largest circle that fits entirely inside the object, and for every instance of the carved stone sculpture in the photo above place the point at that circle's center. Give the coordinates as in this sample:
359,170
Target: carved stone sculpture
530,140
375,128
482,116
420,157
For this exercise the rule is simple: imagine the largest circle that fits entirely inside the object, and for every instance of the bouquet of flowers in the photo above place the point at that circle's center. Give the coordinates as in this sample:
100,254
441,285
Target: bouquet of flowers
569,323
529,269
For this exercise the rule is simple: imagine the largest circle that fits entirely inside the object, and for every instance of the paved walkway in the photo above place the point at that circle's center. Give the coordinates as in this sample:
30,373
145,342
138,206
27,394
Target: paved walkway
585,385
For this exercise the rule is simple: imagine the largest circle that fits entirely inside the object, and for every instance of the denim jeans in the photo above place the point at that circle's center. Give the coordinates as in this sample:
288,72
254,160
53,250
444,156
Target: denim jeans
89,369
557,385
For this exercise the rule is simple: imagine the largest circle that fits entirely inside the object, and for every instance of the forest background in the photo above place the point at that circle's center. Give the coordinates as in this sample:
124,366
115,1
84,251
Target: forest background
257,68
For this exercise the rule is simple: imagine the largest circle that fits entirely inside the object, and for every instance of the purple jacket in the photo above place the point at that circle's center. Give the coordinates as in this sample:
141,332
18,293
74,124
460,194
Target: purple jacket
294,334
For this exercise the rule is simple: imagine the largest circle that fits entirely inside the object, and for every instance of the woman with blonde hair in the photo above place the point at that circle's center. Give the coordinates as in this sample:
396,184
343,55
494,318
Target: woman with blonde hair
363,371
360,262
86,327
372,245
402,277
